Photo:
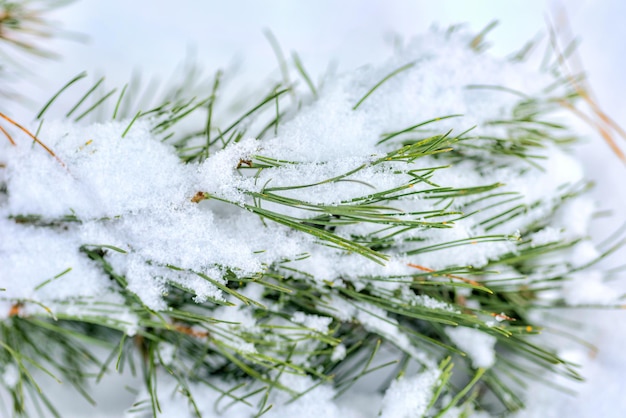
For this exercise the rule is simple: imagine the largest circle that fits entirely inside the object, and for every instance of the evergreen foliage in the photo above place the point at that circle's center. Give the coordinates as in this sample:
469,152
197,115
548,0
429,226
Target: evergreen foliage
288,322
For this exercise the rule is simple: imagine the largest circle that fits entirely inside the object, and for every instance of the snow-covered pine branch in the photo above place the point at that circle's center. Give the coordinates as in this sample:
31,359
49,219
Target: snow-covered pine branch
387,223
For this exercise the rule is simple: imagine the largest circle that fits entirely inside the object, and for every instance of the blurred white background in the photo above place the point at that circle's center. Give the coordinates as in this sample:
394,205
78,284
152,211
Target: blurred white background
154,37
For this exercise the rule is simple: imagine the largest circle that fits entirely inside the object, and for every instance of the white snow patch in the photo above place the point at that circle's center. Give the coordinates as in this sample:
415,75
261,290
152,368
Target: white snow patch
477,344
588,288
408,397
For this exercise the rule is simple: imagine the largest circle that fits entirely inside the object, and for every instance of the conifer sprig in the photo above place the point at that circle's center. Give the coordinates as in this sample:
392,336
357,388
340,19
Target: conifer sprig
383,323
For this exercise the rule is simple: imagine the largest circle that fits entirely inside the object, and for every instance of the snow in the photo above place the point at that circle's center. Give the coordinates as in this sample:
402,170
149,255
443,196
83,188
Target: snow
339,353
10,375
589,288
408,397
133,193
480,347
314,322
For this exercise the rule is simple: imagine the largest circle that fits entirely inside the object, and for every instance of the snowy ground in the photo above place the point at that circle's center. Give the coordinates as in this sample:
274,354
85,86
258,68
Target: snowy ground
154,36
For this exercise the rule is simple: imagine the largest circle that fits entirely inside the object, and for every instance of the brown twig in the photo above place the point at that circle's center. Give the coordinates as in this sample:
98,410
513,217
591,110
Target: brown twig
598,119
451,276
4,131
188,331
34,138
15,309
